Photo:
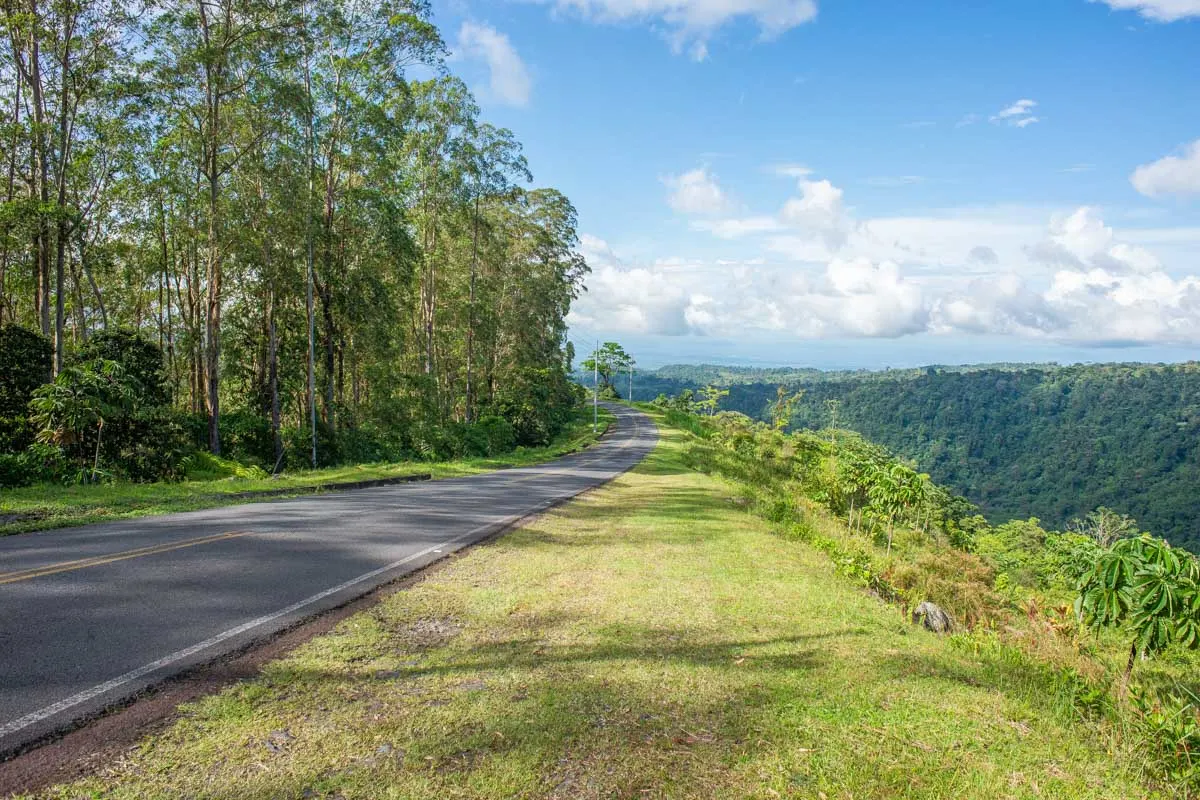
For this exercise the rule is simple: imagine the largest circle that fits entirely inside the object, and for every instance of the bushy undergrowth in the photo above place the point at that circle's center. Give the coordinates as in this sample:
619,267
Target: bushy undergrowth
203,466
108,416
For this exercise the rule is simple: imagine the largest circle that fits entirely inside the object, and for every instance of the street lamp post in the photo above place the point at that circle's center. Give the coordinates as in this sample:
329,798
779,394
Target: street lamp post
596,388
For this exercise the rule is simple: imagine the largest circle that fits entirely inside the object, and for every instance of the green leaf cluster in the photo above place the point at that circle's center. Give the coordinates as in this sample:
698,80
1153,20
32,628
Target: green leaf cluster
1147,587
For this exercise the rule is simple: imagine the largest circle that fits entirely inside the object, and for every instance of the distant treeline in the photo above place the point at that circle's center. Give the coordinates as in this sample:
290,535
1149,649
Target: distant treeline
675,378
1046,441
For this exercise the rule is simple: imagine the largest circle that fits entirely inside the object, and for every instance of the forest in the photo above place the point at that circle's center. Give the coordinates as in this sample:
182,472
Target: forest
1048,442
280,232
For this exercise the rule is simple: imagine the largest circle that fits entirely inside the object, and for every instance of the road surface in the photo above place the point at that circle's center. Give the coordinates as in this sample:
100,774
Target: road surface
89,616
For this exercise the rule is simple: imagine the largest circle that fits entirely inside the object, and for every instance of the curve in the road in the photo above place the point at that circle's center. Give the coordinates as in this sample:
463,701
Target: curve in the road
93,615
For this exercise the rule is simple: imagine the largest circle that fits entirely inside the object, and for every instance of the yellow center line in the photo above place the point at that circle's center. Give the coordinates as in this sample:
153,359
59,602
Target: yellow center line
84,563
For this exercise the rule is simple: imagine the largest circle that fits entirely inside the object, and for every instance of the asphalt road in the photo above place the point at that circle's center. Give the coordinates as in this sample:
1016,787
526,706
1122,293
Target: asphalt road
90,616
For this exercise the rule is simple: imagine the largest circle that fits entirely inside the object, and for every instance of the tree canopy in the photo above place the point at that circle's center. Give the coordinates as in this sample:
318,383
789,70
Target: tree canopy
1019,440
301,228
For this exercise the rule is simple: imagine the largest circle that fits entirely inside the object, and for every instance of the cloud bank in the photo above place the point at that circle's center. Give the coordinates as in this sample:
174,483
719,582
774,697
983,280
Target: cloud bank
1071,279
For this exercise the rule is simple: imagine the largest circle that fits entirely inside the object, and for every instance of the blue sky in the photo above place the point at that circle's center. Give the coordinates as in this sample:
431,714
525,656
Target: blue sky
863,183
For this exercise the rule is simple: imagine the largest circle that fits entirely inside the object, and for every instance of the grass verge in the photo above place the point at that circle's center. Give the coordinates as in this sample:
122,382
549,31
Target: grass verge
650,639
57,506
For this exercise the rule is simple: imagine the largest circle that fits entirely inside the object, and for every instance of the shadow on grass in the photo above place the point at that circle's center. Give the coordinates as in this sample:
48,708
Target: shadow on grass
624,643
1062,692
609,730
675,505
661,466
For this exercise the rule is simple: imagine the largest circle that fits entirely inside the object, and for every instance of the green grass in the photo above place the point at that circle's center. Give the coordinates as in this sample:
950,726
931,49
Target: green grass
650,639
55,506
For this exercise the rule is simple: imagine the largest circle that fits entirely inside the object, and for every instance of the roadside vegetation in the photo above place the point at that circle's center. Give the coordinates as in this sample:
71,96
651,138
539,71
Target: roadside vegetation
254,232
671,635
210,481
1019,440
1102,620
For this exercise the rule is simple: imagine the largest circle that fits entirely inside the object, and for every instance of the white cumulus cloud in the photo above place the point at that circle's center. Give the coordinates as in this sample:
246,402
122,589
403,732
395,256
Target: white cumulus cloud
1157,10
509,82
982,254
689,24
1170,175
860,298
696,192
1082,241
999,304
738,227
818,210
1102,291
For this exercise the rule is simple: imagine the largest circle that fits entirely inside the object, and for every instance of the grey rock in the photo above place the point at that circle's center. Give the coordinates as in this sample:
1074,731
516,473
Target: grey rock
933,617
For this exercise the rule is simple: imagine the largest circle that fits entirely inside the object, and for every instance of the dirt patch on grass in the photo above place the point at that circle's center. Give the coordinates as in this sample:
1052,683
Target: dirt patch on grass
425,634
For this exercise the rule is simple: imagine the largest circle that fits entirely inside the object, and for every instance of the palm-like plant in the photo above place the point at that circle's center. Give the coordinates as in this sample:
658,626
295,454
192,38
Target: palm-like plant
1150,587
854,473
894,488
77,402
712,396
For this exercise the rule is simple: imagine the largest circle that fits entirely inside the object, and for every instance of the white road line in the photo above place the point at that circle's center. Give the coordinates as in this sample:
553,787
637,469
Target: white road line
180,655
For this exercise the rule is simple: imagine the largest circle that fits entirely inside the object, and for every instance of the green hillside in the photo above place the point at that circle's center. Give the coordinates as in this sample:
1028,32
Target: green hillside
1046,441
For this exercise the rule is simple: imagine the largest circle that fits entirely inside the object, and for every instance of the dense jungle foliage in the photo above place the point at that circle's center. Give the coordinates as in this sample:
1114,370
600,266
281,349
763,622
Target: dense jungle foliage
280,232
1045,441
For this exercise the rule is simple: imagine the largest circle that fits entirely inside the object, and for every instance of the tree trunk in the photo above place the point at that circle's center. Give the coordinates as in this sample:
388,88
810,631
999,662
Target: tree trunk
213,319
168,263
430,305
326,288
9,190
214,81
426,271
64,155
195,322
273,377
470,397
1125,677
164,276
330,330
311,388
80,332
87,272
213,329
40,183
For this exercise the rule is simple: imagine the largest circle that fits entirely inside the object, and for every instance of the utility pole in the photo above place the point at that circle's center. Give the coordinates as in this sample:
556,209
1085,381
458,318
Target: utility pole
596,388
631,381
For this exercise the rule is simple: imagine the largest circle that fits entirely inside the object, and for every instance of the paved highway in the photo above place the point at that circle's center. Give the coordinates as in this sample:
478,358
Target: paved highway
89,616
